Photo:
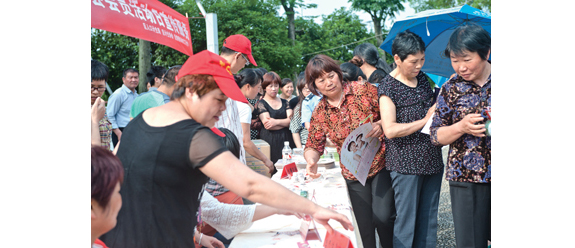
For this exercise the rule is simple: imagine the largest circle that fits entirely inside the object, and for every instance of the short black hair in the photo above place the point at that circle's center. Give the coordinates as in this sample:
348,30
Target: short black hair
406,43
262,71
100,71
472,38
351,72
231,141
128,71
169,77
155,72
248,76
285,81
369,53
227,51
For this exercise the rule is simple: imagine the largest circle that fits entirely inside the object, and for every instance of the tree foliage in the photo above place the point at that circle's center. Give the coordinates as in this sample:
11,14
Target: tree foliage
380,11
258,20
421,5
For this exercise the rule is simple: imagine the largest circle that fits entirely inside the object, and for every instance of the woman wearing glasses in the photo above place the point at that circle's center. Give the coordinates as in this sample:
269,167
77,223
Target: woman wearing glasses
101,126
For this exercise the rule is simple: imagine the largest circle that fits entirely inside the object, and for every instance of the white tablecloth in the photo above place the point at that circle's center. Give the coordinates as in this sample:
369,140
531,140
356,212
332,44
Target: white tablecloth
283,231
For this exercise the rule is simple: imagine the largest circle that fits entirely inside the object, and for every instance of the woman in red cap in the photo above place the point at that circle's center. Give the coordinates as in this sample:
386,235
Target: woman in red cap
168,153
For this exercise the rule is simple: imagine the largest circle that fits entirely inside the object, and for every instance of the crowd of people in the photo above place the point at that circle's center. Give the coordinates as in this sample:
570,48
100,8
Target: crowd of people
165,162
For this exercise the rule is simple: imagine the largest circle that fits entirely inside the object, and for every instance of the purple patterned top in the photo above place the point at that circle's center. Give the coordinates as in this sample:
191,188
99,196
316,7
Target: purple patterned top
469,156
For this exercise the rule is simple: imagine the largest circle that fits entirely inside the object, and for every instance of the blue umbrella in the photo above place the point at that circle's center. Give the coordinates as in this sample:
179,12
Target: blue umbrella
435,27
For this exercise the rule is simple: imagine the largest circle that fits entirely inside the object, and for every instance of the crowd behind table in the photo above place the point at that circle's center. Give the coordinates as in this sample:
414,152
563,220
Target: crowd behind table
158,158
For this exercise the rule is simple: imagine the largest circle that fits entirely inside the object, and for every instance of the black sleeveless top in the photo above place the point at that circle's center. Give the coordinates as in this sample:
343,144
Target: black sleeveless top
162,183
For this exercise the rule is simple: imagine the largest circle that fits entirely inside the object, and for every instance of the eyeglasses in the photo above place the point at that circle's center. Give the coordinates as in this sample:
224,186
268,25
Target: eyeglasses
101,88
247,61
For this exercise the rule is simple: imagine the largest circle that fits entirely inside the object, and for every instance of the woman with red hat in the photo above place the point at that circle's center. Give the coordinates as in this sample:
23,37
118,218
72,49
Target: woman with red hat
168,153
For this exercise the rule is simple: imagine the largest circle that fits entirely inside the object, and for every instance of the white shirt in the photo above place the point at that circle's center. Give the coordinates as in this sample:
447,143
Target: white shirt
228,219
245,112
230,119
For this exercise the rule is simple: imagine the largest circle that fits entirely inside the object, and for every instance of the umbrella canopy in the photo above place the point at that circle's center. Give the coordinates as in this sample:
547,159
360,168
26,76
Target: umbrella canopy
435,27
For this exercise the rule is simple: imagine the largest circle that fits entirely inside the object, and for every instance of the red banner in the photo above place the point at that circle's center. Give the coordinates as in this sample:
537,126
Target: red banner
150,20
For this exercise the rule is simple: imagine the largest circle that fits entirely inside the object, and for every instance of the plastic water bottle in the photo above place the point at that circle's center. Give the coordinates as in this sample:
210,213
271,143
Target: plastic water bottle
286,152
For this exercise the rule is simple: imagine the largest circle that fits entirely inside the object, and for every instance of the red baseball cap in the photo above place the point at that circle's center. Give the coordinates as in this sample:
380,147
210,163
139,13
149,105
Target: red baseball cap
240,43
209,63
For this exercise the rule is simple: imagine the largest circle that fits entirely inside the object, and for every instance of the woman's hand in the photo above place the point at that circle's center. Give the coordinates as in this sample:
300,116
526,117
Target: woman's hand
98,110
467,125
311,170
376,130
211,242
311,157
430,112
323,215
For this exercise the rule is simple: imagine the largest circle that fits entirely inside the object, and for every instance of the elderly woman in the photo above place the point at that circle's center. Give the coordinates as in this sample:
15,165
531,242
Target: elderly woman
343,106
101,127
460,123
366,57
168,153
275,114
406,102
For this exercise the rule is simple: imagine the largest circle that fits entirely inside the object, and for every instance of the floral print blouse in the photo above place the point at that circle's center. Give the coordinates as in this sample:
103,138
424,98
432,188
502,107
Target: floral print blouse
469,156
337,123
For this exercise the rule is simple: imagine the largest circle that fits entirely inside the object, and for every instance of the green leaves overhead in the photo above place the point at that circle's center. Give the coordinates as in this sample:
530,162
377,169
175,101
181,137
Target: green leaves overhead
256,19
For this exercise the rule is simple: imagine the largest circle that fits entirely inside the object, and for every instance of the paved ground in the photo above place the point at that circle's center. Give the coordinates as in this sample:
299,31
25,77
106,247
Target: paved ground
445,233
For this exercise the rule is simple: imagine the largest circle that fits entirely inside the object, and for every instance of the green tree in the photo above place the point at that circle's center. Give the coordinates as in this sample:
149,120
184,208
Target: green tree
421,5
343,28
118,52
380,11
289,8
257,20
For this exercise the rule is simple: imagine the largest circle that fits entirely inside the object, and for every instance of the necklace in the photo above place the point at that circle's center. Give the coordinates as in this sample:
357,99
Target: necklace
340,100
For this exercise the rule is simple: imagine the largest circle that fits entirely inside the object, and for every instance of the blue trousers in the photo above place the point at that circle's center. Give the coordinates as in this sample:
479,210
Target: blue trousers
416,204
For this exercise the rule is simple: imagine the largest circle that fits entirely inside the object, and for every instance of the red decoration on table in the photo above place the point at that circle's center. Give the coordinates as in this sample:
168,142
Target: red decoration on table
337,240
288,170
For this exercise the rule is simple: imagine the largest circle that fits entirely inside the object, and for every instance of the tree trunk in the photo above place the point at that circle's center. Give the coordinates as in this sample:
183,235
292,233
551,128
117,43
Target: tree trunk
289,9
377,29
291,28
145,63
